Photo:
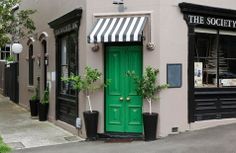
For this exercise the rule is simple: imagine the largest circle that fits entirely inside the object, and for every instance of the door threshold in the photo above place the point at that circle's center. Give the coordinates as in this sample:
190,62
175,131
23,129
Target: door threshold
120,137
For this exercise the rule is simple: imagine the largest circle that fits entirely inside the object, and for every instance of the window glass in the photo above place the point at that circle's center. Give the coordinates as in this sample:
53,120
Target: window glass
227,61
68,49
205,60
5,52
31,66
7,49
215,60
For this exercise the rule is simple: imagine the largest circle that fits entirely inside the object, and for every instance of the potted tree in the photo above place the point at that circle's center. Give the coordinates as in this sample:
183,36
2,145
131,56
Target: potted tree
44,105
147,87
88,83
34,101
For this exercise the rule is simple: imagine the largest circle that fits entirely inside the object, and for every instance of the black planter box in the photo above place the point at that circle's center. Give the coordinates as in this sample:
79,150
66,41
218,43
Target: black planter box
34,107
150,126
91,124
43,111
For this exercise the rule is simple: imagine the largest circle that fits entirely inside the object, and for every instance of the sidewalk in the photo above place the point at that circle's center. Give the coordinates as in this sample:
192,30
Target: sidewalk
220,139
20,131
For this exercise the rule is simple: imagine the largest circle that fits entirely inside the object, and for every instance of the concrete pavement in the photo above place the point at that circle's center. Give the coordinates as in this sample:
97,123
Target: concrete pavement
19,130
31,136
214,140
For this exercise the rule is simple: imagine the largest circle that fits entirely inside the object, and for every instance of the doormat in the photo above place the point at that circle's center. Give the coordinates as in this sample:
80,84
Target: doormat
116,140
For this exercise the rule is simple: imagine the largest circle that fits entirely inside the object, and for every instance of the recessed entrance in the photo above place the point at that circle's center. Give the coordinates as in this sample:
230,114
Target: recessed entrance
123,105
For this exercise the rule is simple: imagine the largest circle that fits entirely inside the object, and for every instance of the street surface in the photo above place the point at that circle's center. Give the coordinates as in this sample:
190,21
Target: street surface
214,140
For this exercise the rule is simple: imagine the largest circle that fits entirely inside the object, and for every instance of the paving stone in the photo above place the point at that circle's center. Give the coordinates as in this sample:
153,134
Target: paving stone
19,130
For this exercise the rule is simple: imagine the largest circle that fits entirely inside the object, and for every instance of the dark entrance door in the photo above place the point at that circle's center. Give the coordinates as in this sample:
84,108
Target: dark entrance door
123,105
11,85
67,64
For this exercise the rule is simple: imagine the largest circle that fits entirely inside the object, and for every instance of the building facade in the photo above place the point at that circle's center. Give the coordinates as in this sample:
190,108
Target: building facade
191,42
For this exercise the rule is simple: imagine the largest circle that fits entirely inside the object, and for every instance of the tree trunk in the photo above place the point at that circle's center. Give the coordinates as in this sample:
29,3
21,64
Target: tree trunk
89,102
150,105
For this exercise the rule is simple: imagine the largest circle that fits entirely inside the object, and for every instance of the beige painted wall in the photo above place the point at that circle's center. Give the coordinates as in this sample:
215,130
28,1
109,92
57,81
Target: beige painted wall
174,49
168,33
48,11
96,9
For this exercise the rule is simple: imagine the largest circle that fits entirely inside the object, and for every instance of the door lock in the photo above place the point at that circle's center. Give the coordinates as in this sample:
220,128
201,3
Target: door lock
121,98
128,99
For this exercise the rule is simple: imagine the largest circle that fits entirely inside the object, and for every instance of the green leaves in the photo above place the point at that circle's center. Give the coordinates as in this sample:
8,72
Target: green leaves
14,25
3,147
89,82
25,23
36,93
45,98
11,58
147,86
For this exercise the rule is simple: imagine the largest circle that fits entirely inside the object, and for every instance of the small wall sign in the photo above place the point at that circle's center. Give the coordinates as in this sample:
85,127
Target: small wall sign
174,75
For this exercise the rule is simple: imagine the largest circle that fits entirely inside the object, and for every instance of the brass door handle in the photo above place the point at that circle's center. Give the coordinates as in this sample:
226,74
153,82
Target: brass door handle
128,99
121,98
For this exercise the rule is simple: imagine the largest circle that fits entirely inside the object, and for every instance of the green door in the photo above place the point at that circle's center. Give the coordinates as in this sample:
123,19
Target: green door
123,105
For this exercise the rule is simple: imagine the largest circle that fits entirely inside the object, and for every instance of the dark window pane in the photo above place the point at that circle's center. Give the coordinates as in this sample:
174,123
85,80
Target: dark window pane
227,60
8,48
31,66
205,60
68,49
7,55
3,56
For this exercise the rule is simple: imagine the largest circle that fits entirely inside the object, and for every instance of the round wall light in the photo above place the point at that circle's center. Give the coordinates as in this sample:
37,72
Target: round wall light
17,48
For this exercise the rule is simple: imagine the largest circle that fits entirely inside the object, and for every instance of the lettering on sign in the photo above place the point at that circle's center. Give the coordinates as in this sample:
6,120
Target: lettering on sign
66,28
211,21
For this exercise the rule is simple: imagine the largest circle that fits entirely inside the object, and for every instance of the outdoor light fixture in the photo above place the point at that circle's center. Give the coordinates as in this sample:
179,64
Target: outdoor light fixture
17,48
39,60
15,8
118,2
150,46
121,6
95,48
46,56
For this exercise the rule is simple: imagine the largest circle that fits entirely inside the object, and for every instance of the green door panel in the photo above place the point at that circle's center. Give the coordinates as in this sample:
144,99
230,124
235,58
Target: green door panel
123,105
114,107
134,105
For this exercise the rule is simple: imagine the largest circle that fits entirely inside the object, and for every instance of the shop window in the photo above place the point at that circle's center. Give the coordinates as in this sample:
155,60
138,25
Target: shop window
31,66
5,52
215,59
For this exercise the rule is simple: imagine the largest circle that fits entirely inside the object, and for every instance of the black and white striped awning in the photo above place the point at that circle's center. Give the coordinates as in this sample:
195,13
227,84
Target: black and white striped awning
118,29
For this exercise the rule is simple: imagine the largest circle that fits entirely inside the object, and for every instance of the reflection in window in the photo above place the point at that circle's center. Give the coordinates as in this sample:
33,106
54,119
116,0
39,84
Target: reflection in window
227,60
214,60
68,59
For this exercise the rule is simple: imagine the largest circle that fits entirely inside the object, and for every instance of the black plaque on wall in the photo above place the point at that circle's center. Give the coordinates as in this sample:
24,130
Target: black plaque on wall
174,75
